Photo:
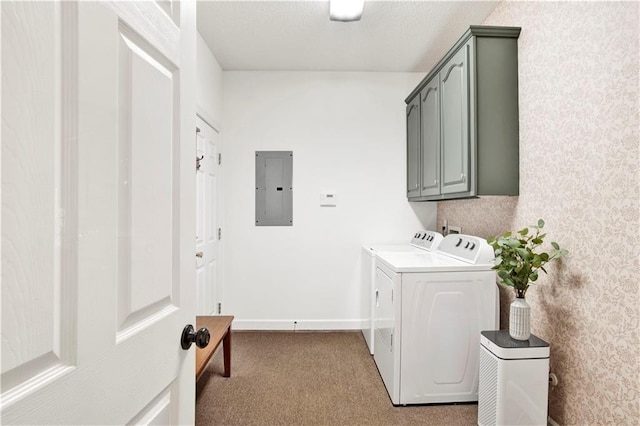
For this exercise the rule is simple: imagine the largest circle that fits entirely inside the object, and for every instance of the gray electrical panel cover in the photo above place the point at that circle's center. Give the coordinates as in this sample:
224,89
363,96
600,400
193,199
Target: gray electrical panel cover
274,189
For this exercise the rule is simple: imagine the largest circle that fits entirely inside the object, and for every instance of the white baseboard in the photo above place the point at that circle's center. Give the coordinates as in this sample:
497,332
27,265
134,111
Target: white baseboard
551,422
297,325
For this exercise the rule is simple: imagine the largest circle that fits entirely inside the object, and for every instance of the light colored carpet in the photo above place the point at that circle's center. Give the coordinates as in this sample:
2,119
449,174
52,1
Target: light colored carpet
319,378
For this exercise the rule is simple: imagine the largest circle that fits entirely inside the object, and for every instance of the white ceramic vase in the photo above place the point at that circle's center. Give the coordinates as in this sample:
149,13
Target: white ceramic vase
520,319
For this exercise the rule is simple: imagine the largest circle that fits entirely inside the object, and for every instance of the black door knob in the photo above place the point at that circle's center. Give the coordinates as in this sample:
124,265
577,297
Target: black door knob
201,337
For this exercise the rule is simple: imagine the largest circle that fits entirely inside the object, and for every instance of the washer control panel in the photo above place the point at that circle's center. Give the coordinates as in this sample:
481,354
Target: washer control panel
471,249
426,240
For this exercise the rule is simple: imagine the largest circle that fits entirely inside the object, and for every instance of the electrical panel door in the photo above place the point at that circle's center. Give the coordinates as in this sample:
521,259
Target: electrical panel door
274,189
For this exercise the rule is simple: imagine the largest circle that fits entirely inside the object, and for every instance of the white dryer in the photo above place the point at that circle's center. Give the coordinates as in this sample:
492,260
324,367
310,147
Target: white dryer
422,241
431,308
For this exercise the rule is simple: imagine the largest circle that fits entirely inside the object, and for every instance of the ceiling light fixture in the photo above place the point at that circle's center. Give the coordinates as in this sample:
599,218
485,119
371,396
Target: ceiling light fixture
345,10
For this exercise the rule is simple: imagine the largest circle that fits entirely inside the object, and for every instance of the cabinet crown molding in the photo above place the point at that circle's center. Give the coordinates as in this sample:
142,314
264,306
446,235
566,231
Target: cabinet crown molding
473,31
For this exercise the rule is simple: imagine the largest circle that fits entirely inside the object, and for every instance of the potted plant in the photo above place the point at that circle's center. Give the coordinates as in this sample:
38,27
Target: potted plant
518,262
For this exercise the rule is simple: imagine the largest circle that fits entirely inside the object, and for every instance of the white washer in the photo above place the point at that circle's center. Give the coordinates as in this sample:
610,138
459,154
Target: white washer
430,312
421,241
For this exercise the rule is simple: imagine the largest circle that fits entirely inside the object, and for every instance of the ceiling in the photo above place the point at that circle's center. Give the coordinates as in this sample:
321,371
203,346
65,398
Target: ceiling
297,35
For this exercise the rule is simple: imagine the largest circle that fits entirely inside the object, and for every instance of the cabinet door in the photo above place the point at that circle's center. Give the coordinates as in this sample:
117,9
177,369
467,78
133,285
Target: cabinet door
455,98
430,140
413,148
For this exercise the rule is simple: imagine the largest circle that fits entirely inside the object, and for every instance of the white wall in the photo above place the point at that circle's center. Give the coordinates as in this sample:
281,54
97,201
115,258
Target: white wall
209,85
347,134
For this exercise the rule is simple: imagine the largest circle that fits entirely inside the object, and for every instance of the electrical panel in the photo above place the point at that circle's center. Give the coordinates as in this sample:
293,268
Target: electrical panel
274,188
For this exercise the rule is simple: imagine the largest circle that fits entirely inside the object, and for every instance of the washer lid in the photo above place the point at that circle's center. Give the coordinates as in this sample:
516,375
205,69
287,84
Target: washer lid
500,344
426,262
396,248
422,241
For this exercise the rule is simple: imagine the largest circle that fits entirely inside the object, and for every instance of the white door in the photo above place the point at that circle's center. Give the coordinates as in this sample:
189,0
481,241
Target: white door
98,212
208,143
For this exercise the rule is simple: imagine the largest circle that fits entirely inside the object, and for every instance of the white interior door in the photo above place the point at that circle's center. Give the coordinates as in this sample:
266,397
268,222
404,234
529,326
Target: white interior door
98,212
208,145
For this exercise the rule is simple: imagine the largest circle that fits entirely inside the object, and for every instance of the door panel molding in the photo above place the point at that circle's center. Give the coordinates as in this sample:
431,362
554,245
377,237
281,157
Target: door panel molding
39,156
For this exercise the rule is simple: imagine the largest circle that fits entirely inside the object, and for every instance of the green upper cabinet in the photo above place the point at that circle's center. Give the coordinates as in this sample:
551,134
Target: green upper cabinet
413,148
467,127
430,138
455,140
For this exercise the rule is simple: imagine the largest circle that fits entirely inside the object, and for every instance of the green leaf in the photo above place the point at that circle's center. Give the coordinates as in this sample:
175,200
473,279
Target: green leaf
524,231
491,240
533,276
506,234
564,252
555,245
514,243
508,281
537,240
540,223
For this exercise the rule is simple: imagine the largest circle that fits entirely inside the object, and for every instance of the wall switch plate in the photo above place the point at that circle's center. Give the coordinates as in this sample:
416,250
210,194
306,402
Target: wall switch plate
328,199
455,230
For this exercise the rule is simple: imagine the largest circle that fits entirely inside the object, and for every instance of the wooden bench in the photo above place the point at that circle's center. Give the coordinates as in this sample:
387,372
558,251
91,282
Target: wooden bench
219,327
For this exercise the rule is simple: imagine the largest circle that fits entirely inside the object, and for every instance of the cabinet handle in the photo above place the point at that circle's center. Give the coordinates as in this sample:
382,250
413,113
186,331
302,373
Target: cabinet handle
462,177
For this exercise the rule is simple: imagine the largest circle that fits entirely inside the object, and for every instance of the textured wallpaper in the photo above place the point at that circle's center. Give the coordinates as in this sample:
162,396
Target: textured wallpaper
579,73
